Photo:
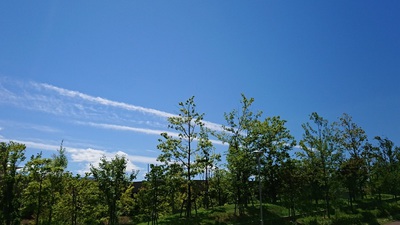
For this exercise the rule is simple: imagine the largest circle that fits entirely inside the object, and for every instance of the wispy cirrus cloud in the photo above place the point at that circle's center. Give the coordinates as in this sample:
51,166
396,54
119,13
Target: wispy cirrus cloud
31,144
127,128
102,101
28,126
138,130
121,105
74,104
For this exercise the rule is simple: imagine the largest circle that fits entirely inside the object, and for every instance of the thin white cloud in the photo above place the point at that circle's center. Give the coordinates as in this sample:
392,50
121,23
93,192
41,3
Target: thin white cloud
35,145
6,95
213,126
69,103
127,128
103,101
107,102
139,130
41,128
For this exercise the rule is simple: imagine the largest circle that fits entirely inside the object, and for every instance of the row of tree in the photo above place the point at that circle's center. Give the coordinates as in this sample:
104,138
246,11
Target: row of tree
44,192
332,160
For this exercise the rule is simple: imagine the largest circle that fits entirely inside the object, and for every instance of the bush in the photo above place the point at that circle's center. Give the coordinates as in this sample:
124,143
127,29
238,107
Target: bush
393,209
388,210
370,217
311,220
396,217
347,219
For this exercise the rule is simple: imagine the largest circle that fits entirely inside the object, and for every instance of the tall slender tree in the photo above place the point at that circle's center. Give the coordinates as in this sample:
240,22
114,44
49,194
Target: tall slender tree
386,166
183,147
56,174
322,151
36,194
207,160
353,140
240,156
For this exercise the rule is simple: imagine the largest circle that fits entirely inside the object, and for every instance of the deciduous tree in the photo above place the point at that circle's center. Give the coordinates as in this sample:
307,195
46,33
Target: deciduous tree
353,140
11,155
275,141
37,193
322,151
112,180
182,148
240,156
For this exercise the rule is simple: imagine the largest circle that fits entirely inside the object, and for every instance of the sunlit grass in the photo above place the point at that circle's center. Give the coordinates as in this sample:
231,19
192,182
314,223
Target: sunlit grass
366,211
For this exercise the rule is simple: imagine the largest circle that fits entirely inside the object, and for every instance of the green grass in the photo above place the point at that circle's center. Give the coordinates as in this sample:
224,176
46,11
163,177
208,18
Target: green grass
224,215
368,211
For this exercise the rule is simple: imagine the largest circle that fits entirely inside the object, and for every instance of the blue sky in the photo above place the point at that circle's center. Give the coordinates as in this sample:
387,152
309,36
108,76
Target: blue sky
104,76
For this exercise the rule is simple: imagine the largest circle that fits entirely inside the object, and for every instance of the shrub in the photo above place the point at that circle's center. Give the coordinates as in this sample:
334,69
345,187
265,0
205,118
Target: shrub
347,219
396,217
393,209
370,217
311,220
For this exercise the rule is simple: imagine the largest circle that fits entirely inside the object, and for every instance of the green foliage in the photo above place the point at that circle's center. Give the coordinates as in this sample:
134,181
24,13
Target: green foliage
112,181
370,217
11,155
36,196
152,199
181,151
220,190
240,156
347,219
354,169
80,202
322,153
293,187
275,141
309,221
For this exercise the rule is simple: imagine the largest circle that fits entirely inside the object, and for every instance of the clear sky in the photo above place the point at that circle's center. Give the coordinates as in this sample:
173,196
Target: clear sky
103,76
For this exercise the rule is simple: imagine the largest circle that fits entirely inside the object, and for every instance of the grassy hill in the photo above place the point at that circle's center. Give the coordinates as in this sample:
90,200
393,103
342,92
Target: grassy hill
366,212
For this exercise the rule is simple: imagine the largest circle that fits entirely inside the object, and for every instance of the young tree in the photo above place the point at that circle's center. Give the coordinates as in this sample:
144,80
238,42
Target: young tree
112,181
207,160
57,168
240,156
221,190
11,154
36,194
353,140
152,197
386,167
294,181
182,149
66,208
275,141
322,151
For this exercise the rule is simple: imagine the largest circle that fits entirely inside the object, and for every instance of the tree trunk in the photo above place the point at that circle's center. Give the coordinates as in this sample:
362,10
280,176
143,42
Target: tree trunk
39,203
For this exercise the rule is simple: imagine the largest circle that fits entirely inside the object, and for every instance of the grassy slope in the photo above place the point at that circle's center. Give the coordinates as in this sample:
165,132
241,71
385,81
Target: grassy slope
368,211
